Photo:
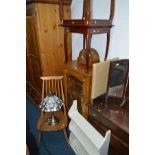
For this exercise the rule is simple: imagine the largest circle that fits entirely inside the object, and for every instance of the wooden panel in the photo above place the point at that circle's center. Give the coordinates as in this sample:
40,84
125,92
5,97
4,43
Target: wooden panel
31,36
29,71
33,61
74,91
115,147
50,38
33,93
67,2
36,73
104,117
29,9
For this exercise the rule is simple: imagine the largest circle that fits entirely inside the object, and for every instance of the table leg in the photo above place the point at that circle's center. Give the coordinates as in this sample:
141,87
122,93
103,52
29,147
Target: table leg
88,46
65,133
107,46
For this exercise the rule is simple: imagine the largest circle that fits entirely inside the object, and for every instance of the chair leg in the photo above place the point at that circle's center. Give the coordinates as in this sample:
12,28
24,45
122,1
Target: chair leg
39,138
65,133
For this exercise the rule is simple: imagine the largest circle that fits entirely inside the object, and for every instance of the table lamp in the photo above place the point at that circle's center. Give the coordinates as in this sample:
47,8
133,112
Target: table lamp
51,103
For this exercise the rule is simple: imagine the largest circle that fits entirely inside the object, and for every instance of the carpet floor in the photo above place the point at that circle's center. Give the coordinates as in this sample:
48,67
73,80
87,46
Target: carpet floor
52,143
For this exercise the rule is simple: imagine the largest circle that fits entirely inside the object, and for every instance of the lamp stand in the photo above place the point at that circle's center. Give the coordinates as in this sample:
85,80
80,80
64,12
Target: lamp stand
52,120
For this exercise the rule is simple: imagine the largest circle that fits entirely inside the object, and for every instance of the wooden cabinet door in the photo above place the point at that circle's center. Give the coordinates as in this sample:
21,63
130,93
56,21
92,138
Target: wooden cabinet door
31,36
50,38
77,84
74,92
29,70
33,61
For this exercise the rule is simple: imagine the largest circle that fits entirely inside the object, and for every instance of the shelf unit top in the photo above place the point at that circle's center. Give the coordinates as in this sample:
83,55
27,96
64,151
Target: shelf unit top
91,23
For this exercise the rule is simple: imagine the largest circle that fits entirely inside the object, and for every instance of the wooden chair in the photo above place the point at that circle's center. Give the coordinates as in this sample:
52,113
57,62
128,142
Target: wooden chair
53,84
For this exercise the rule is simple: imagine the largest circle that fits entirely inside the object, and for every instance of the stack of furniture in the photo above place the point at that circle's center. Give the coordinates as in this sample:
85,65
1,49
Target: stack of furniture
77,75
44,43
79,81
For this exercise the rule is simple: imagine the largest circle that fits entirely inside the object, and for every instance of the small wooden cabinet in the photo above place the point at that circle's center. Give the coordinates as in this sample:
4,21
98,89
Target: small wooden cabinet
77,86
44,43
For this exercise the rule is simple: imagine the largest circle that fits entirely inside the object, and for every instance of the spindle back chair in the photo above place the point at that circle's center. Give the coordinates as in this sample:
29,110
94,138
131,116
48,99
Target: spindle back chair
53,84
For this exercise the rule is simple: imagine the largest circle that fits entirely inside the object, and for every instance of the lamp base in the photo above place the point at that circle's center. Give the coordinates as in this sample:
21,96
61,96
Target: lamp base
53,120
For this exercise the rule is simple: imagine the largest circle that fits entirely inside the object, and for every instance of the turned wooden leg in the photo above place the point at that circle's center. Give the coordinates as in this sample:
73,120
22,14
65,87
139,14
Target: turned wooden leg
84,39
65,133
39,138
88,47
107,46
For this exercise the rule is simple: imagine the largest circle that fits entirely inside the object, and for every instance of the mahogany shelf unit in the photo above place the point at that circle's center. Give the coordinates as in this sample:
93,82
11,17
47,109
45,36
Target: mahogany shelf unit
88,27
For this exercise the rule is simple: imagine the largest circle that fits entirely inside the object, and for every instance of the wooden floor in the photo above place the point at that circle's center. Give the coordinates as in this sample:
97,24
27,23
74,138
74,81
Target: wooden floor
33,94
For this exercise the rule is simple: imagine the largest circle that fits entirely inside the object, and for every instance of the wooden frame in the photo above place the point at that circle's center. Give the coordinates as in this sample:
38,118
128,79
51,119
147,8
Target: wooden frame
121,89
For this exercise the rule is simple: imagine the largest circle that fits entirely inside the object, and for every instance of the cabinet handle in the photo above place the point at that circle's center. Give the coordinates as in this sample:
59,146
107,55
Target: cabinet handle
70,78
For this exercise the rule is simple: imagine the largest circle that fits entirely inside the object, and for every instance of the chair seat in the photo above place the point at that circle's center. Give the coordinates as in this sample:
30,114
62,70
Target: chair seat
42,124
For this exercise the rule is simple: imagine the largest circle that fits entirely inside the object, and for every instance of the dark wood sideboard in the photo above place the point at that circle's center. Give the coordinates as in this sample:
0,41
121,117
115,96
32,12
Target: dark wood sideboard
104,117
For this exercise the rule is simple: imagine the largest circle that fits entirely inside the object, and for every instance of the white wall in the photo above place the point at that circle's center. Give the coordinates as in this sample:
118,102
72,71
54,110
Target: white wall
119,43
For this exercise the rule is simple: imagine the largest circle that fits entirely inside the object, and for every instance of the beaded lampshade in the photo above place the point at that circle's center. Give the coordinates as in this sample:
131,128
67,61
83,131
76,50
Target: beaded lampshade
51,103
